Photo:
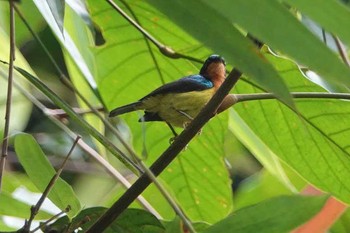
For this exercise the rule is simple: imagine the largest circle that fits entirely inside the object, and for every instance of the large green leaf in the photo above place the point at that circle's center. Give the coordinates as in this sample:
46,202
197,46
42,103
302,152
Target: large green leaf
271,22
40,171
313,142
280,214
127,69
219,34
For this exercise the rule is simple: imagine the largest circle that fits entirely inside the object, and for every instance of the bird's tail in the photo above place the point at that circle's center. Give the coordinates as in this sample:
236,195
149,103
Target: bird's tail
126,108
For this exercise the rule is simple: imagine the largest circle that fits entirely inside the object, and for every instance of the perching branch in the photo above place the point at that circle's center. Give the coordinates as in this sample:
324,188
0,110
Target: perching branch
168,156
5,142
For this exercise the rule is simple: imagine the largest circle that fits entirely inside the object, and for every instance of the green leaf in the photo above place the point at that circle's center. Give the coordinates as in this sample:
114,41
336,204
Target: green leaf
40,172
332,15
219,34
57,11
10,206
314,141
280,214
277,27
126,71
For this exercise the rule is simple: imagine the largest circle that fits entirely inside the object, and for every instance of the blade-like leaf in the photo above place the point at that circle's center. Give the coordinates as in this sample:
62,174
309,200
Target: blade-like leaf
40,171
275,25
57,11
214,31
277,215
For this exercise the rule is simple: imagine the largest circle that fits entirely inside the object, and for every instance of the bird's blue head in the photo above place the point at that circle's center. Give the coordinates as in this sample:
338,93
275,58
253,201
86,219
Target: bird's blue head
211,59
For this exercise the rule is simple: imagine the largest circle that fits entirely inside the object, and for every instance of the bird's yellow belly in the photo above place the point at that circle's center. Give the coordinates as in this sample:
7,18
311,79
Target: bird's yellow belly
178,108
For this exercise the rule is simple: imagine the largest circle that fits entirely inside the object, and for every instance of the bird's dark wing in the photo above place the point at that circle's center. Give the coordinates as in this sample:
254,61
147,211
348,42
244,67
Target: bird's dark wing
186,84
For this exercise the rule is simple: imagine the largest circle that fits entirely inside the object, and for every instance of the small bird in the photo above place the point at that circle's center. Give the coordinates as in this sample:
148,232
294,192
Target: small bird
179,102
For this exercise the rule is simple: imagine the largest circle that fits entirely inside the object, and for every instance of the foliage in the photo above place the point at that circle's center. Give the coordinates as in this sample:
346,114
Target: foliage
298,143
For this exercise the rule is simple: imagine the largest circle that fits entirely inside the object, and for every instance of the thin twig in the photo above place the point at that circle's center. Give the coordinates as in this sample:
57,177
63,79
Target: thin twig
34,210
308,95
341,50
5,142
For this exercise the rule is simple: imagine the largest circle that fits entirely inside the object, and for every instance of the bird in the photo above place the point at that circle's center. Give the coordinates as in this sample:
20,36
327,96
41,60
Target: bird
177,103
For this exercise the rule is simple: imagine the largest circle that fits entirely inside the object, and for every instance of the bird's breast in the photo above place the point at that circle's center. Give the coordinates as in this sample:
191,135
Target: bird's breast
178,108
